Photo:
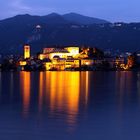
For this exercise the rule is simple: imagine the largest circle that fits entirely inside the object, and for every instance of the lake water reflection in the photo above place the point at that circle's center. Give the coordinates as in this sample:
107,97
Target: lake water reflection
69,105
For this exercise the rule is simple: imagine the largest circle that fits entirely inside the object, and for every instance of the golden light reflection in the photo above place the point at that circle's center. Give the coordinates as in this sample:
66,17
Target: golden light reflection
73,97
87,87
40,102
64,94
123,86
59,93
53,90
84,86
25,79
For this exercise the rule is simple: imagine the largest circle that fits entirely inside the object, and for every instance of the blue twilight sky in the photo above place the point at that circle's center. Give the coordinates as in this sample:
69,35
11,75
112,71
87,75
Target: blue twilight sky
112,10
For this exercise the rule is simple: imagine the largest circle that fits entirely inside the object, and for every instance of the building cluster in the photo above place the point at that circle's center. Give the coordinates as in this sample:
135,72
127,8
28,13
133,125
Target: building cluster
69,58
74,58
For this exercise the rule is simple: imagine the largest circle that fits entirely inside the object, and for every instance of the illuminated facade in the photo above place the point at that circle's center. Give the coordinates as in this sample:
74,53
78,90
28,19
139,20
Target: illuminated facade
73,51
72,63
26,51
22,63
48,65
87,62
60,52
61,58
69,58
42,56
64,58
47,50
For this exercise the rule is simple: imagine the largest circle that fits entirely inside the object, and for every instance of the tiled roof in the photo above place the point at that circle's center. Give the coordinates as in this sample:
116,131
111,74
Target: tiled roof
59,50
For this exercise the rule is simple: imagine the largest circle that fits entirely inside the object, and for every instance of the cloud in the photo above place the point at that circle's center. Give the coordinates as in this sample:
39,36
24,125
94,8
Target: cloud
10,8
19,5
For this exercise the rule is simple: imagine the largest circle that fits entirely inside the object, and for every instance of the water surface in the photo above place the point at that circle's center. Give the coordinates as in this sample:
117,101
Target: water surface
69,105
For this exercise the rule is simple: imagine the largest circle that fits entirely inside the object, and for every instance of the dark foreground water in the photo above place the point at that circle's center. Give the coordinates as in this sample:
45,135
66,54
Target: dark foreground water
70,106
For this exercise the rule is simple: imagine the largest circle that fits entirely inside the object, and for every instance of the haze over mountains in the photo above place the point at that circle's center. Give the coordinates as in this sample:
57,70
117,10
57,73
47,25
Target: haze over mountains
69,29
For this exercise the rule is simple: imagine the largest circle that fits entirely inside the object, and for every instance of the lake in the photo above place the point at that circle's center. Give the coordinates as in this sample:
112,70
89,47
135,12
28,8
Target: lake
69,105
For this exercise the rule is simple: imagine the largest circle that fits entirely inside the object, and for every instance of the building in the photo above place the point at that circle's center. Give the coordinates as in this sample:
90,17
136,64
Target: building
72,58
26,51
73,51
60,52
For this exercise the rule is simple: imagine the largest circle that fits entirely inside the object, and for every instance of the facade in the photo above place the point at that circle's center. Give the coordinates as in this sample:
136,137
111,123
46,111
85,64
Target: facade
61,58
73,51
88,62
69,58
26,51
60,52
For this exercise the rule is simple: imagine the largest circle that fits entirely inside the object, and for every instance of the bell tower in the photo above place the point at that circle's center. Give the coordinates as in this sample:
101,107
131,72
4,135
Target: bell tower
26,51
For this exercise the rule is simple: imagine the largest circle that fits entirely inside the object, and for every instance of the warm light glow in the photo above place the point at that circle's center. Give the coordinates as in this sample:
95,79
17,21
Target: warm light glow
73,51
53,90
124,67
25,79
26,51
72,64
47,50
84,86
73,97
64,93
61,55
41,85
87,87
86,62
22,63
41,56
48,65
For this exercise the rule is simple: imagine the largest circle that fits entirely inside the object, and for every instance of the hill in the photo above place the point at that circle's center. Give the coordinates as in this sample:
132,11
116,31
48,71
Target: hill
55,29
80,19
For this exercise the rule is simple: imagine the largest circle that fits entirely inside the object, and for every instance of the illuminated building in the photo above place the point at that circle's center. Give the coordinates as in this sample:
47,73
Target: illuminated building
72,63
60,52
87,62
131,61
48,65
73,51
47,50
68,58
64,58
26,51
22,63
119,61
62,64
42,56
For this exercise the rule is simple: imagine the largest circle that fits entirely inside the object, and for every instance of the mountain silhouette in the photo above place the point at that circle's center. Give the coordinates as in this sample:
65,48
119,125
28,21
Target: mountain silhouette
66,30
80,19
